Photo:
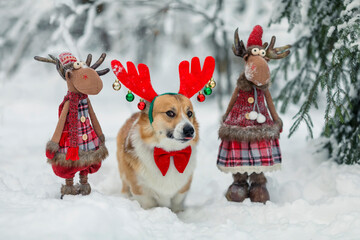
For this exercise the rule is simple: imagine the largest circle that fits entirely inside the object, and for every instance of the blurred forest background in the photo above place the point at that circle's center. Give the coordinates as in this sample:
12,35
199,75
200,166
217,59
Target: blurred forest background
321,72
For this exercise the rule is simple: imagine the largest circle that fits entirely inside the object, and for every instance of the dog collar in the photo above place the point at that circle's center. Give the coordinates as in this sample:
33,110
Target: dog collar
151,119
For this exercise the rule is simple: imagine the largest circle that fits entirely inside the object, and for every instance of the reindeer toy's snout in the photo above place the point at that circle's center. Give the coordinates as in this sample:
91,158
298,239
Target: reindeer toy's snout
77,145
257,70
250,137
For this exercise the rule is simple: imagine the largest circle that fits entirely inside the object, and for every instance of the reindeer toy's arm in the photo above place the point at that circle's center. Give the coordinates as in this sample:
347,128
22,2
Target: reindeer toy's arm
53,145
95,123
271,106
94,120
232,102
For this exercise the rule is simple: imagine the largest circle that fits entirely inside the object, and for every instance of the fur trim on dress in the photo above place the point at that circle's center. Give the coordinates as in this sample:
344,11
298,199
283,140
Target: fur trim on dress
251,133
87,158
52,146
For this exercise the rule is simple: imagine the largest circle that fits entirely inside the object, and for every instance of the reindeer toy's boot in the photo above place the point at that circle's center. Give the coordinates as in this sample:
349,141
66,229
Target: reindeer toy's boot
78,144
250,137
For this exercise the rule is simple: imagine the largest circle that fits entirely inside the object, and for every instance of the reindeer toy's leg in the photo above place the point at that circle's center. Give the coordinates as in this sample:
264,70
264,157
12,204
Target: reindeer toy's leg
69,188
239,189
258,191
85,188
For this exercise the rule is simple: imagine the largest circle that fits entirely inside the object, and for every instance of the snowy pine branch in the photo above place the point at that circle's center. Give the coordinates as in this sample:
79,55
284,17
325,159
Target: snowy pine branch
326,57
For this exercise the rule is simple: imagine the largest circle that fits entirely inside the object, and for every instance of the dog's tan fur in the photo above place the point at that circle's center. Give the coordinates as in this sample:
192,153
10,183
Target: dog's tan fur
130,159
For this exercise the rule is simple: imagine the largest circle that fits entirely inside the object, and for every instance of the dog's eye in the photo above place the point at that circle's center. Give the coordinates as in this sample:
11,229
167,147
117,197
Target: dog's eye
189,114
170,114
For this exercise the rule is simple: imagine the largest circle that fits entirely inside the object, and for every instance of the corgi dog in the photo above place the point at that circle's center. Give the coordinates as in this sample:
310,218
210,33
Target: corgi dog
156,147
174,128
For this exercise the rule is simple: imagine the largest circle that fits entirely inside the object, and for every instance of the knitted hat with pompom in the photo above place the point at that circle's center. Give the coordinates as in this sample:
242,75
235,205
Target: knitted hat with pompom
66,58
255,37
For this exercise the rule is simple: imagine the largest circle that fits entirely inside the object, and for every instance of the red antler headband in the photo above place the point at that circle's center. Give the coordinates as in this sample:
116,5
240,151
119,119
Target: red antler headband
191,81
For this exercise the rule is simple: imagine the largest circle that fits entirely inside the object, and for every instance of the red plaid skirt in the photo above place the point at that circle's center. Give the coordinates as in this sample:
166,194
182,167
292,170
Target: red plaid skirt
260,156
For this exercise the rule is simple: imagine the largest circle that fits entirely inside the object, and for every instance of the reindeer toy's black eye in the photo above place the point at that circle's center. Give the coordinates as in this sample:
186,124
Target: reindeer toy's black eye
77,65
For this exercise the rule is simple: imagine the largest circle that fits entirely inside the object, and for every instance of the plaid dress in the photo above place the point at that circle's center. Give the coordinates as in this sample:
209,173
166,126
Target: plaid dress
87,138
244,156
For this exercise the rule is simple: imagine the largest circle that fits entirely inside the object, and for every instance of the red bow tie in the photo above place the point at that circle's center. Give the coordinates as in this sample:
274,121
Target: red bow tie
181,159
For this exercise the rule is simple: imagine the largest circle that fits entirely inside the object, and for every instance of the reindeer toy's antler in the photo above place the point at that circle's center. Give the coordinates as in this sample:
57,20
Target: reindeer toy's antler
62,69
191,81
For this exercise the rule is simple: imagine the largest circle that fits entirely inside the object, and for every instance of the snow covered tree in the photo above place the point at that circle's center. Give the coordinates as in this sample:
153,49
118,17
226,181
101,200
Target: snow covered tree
326,59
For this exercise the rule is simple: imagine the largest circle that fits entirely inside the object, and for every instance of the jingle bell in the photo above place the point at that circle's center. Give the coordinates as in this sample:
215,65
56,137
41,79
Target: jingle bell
116,85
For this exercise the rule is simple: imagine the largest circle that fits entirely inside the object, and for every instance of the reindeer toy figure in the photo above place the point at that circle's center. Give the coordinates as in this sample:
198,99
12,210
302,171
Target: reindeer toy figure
76,145
250,138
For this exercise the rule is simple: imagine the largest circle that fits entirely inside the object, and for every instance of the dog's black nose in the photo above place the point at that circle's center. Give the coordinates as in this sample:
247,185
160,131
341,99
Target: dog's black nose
188,131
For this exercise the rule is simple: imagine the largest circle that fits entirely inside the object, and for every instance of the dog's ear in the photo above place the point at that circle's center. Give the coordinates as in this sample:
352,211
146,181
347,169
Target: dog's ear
128,144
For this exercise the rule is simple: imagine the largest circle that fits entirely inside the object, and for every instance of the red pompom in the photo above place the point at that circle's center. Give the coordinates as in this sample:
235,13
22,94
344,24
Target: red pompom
255,37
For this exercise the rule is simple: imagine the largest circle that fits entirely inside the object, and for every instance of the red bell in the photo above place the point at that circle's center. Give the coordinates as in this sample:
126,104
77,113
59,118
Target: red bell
201,97
141,105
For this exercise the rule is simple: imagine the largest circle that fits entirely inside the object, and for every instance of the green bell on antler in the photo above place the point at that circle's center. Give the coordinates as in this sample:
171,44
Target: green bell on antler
130,96
207,90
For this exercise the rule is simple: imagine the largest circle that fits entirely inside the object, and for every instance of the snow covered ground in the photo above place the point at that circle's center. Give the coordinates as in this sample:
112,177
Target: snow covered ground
311,198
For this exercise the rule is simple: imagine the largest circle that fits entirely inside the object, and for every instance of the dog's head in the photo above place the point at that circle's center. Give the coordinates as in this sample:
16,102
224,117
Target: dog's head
174,125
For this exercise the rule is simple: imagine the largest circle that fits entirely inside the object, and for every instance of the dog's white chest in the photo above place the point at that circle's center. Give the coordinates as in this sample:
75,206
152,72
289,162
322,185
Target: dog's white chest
149,174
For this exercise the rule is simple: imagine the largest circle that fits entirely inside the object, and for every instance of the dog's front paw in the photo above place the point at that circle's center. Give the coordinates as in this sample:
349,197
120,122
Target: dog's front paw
177,208
146,202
